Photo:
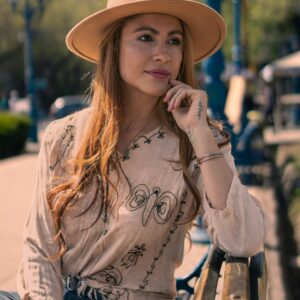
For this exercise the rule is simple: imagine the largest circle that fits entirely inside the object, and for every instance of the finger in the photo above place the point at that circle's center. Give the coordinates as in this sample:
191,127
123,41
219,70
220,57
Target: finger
177,98
180,112
186,94
170,104
171,92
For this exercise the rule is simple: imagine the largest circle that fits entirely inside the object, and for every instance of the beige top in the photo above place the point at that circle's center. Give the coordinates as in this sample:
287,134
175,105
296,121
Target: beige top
134,254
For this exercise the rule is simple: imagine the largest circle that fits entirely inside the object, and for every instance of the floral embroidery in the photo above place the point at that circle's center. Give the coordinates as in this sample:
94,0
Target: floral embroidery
115,293
108,292
113,277
66,140
110,275
174,227
130,259
160,134
161,204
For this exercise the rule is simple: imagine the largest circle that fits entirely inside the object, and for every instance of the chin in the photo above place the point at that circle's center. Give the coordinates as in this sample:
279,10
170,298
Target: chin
157,92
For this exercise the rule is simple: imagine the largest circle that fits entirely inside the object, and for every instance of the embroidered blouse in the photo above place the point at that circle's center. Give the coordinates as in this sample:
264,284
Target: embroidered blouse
134,253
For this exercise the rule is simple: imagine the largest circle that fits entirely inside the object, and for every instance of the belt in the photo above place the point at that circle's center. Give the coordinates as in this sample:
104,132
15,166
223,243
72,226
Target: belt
71,283
80,287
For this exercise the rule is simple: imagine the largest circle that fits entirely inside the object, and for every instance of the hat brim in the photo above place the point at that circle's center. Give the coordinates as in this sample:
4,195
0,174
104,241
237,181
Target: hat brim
206,26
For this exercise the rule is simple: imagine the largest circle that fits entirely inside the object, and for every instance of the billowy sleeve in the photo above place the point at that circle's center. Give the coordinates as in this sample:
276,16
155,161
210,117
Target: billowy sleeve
239,229
38,277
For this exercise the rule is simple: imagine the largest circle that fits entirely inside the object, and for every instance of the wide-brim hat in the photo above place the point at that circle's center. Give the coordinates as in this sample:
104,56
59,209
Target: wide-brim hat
206,27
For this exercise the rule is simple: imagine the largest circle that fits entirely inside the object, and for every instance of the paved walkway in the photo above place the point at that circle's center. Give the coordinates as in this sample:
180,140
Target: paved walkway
17,177
16,187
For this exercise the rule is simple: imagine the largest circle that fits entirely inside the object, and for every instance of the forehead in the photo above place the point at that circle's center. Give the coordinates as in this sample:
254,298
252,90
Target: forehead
155,20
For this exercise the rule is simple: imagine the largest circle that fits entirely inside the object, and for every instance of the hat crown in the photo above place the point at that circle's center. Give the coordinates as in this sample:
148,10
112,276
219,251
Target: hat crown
115,3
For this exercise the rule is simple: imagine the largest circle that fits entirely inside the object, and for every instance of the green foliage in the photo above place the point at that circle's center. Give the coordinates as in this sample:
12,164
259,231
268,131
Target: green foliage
11,55
13,133
62,71
10,26
266,26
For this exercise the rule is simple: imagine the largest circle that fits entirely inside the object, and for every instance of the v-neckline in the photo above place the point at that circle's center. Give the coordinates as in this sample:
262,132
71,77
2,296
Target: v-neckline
146,135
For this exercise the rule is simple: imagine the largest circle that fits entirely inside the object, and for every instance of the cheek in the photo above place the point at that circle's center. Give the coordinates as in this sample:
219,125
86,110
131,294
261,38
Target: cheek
131,59
177,60
125,57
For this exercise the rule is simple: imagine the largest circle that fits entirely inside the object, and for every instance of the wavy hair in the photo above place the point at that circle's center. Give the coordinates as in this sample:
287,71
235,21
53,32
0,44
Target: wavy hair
96,154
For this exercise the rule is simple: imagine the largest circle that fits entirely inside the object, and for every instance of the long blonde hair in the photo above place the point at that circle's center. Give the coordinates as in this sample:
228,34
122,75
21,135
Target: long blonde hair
97,149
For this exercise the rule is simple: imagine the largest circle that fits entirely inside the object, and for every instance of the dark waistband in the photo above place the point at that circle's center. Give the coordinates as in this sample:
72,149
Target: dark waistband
82,289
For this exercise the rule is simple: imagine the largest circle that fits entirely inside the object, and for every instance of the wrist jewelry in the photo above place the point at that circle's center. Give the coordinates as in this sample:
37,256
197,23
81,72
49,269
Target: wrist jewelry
209,156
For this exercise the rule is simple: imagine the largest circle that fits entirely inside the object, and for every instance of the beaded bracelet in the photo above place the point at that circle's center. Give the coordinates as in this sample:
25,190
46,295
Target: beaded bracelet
209,156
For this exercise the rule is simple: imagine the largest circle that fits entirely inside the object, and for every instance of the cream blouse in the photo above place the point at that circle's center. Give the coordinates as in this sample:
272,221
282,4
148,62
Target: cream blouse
133,254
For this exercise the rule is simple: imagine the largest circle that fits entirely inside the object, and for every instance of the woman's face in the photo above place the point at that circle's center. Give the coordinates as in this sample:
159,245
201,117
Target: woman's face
151,50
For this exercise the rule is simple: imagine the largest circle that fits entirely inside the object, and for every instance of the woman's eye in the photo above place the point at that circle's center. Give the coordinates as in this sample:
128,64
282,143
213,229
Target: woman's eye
145,38
175,41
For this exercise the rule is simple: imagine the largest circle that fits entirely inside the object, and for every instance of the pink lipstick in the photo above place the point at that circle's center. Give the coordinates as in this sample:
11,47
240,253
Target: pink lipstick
159,73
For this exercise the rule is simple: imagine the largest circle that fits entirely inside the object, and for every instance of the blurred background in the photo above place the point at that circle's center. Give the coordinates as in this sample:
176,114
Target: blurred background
253,84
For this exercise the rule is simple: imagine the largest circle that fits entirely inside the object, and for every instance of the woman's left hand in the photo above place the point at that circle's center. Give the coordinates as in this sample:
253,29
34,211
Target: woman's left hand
196,112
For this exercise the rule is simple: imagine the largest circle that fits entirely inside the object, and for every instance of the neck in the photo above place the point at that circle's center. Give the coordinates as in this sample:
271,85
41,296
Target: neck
138,108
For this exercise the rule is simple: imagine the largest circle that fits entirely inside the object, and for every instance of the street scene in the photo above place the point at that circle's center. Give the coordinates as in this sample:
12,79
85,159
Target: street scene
252,85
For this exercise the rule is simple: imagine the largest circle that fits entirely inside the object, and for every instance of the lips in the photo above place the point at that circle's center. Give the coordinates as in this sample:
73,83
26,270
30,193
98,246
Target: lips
159,73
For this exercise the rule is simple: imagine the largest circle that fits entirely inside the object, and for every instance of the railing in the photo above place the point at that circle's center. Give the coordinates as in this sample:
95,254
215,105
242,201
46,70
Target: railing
244,278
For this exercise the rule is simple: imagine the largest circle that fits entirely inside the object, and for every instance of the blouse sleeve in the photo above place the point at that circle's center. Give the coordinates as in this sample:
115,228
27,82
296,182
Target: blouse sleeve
39,277
239,229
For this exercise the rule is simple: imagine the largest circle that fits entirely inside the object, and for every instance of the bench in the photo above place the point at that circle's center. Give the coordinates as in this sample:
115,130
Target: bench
244,278
283,111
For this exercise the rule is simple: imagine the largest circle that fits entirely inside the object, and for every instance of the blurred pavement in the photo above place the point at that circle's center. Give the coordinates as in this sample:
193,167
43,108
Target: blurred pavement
17,176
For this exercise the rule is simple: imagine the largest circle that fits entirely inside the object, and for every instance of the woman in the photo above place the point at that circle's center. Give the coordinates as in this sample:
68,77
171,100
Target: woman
120,182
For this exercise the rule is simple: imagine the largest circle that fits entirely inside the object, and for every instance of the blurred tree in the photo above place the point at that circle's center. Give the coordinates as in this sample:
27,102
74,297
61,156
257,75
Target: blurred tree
268,26
58,71
64,73
11,57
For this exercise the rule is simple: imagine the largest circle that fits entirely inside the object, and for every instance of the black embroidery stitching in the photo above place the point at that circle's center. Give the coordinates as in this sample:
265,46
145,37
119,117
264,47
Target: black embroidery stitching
196,169
174,227
68,133
147,140
114,293
161,204
131,258
110,274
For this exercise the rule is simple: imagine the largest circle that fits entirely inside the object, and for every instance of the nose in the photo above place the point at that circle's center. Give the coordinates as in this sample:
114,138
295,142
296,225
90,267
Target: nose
161,53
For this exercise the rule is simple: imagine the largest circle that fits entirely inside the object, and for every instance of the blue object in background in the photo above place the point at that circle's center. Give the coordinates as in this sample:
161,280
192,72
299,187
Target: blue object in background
213,68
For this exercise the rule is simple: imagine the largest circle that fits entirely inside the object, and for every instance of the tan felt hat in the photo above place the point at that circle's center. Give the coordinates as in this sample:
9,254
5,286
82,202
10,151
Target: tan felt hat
206,26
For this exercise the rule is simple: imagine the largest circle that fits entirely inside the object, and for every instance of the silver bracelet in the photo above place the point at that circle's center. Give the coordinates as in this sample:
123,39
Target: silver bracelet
209,156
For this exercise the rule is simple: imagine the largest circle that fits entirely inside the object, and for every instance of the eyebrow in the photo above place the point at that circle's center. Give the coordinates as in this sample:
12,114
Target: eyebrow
147,28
